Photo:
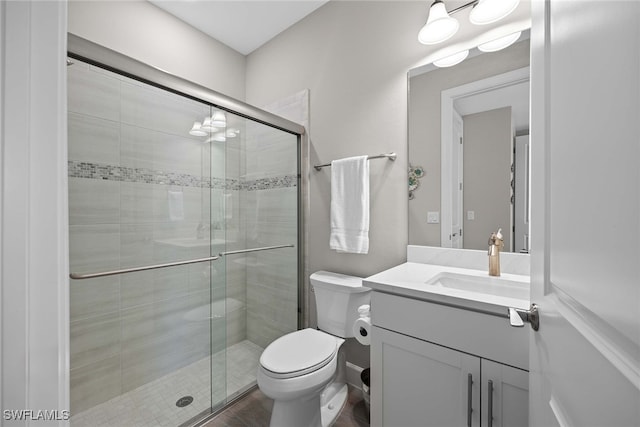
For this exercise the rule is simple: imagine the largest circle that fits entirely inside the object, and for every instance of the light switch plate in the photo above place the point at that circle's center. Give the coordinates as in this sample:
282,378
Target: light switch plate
471,215
433,217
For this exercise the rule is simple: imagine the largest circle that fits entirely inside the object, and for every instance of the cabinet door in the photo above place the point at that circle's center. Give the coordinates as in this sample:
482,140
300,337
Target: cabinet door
416,383
505,395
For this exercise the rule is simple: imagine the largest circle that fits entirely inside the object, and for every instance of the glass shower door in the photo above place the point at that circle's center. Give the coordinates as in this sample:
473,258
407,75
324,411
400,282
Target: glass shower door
257,209
140,190
158,178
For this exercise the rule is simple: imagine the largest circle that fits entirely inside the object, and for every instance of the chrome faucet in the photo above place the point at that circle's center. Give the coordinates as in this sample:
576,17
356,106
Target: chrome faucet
495,246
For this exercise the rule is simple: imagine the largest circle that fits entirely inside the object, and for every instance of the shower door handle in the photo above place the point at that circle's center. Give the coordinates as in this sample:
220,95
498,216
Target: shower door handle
79,276
244,251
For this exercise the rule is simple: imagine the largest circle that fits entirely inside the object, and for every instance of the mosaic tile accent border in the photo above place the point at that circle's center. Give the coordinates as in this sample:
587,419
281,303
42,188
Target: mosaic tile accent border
284,181
152,176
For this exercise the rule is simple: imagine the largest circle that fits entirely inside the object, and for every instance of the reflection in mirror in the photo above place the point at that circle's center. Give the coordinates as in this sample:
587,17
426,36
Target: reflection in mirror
468,133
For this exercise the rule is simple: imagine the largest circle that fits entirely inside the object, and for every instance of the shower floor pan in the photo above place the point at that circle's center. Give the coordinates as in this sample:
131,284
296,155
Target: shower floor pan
154,404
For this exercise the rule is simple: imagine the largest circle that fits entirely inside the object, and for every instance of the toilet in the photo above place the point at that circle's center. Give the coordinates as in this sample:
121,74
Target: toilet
304,372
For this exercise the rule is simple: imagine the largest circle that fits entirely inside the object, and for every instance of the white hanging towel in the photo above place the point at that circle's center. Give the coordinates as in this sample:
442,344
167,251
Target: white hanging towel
350,205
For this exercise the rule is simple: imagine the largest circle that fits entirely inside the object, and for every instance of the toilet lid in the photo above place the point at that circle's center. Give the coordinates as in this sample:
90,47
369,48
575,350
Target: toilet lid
298,353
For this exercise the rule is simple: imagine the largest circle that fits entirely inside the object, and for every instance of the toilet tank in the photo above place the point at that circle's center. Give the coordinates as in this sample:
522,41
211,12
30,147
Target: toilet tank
338,297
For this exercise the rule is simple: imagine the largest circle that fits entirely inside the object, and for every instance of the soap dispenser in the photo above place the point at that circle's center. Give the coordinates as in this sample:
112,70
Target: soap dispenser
496,243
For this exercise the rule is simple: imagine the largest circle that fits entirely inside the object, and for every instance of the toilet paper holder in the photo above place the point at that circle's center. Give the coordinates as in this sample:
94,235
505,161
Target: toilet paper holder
364,310
362,325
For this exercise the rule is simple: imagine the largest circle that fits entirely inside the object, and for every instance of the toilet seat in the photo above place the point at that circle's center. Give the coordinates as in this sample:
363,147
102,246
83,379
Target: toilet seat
298,353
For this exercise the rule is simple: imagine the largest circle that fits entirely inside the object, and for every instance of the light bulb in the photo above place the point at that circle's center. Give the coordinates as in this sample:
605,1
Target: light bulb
218,119
439,27
219,137
501,43
451,60
196,130
207,125
489,11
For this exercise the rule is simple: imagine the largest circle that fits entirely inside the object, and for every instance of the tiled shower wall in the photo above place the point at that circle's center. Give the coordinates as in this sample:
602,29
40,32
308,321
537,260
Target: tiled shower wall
129,148
272,297
124,139
272,285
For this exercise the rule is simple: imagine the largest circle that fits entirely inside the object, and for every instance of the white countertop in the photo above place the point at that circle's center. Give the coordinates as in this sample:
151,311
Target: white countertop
410,280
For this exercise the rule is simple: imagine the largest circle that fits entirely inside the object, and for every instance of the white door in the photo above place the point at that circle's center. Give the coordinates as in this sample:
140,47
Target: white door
457,186
585,359
521,195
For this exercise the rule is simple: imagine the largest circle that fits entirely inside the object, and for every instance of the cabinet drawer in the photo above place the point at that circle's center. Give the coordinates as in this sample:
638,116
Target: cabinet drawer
484,335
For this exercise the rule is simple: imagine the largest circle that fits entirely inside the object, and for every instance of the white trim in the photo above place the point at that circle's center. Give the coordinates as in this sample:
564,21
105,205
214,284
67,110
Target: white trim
353,375
559,413
2,103
34,226
447,98
620,351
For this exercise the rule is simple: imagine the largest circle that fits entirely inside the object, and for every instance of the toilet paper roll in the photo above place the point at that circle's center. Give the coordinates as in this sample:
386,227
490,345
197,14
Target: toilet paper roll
362,330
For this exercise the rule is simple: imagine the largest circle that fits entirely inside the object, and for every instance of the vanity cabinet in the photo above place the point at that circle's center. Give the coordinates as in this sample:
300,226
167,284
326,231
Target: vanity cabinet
430,366
509,390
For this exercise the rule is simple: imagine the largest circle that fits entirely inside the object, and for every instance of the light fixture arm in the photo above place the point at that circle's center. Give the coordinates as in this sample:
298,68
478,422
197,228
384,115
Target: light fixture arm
464,6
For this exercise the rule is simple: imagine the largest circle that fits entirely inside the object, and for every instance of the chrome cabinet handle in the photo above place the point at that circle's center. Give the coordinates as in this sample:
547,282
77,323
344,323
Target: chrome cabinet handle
469,399
517,317
490,403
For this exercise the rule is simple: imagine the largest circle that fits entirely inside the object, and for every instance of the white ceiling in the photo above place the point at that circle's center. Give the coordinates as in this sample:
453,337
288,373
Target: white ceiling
243,25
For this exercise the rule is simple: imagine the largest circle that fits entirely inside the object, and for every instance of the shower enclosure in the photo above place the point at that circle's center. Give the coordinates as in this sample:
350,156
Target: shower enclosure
185,242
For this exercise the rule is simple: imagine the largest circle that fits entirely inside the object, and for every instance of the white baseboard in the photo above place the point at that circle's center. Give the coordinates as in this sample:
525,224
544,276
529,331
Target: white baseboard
353,375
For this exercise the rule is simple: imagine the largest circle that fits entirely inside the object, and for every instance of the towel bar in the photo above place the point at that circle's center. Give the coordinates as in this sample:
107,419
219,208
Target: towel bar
390,156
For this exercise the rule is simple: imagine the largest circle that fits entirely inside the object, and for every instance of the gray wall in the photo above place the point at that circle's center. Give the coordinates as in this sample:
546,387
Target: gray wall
424,128
353,56
149,34
487,148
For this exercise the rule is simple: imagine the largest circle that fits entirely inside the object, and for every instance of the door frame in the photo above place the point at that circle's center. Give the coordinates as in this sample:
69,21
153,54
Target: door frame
457,161
447,99
34,310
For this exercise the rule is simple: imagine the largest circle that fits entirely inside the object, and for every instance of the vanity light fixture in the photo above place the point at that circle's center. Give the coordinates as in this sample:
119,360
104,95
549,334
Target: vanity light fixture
219,137
501,43
207,125
439,27
451,60
219,119
196,130
489,11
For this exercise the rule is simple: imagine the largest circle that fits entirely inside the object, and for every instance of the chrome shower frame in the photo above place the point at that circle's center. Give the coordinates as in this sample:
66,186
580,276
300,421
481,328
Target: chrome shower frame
87,51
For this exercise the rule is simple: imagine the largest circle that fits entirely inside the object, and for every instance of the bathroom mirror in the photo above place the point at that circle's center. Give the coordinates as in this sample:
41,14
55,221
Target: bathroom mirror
468,129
